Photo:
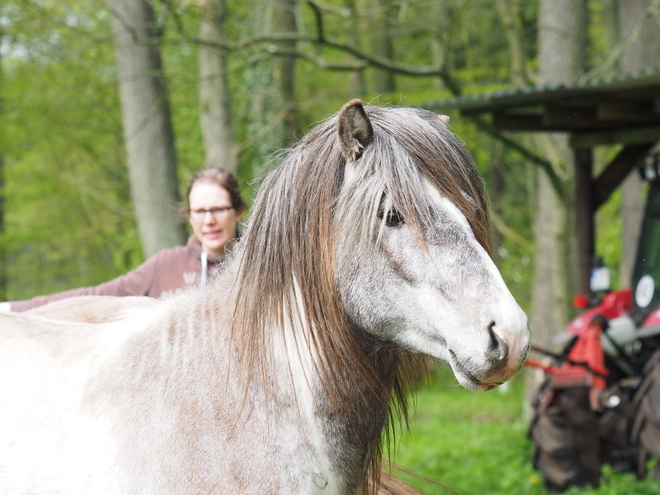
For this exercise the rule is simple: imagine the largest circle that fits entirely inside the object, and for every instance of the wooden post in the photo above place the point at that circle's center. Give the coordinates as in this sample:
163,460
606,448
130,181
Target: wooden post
584,216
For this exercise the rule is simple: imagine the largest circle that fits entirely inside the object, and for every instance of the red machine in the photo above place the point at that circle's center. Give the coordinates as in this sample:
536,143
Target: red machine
584,366
600,401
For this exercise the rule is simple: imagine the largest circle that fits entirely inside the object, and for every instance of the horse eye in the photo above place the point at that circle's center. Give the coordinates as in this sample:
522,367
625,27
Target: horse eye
393,219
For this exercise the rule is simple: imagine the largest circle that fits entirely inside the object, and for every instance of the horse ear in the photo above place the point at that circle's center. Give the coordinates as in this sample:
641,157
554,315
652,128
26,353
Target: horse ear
444,119
354,129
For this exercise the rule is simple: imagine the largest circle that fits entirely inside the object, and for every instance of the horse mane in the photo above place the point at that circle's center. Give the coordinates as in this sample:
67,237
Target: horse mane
295,229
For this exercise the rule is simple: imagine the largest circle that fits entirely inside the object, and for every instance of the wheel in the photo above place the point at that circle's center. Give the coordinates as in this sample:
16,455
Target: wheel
565,437
646,428
614,432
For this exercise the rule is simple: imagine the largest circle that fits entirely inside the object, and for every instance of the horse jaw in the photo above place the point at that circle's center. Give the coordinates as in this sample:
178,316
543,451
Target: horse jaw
501,326
481,357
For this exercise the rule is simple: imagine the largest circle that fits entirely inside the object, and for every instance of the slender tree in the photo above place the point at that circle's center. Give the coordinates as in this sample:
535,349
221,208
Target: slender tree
440,34
148,134
507,12
272,120
382,43
285,23
638,29
562,45
220,147
356,79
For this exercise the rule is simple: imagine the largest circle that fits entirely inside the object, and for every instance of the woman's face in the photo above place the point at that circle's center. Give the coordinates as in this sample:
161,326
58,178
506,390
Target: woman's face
213,217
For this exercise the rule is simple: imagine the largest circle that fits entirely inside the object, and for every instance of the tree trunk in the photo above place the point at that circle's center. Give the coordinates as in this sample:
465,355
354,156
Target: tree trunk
440,34
148,134
497,179
642,54
285,66
562,40
562,46
381,44
356,79
512,28
551,294
220,147
269,108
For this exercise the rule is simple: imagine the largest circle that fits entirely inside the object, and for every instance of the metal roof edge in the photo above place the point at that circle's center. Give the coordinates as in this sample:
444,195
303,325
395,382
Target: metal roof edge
530,95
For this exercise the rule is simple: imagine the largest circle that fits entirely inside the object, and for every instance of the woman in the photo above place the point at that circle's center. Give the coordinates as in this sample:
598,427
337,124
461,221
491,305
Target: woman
214,208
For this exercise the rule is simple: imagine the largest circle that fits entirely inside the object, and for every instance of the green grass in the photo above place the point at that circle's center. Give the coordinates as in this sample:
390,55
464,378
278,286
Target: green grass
474,443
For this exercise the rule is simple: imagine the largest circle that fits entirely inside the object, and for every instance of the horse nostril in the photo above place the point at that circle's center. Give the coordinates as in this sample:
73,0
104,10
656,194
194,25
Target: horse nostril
498,351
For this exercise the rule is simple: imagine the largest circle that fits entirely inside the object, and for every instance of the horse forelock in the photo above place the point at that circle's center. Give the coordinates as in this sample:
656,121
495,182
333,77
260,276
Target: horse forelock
440,158
303,210
410,147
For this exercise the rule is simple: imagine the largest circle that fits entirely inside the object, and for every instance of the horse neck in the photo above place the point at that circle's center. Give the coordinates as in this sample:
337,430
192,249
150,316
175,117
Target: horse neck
350,418
343,423
204,333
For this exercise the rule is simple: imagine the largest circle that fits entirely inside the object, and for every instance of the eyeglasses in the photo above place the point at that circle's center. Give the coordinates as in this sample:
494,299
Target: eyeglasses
217,212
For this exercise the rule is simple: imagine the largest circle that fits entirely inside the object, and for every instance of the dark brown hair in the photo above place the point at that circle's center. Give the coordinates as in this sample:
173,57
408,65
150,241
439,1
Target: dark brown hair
219,177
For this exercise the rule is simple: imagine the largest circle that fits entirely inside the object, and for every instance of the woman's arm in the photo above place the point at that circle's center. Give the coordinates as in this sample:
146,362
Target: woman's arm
135,283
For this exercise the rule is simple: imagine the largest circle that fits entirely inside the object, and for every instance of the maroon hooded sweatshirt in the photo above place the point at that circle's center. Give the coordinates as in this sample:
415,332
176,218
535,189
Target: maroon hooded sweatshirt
167,272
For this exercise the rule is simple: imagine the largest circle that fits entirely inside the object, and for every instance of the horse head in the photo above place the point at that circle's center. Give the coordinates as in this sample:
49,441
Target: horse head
412,261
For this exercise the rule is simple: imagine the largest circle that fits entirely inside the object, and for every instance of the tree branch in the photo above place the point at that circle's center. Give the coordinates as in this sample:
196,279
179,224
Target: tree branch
608,66
271,45
556,181
318,17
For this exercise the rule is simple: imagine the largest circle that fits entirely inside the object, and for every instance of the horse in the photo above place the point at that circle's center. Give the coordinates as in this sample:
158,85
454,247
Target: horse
367,247
99,309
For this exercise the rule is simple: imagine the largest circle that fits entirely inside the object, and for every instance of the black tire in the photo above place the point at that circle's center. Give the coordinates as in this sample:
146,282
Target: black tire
646,428
565,437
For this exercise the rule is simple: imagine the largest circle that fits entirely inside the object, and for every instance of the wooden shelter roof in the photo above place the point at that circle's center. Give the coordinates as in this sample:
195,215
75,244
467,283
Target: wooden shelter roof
622,110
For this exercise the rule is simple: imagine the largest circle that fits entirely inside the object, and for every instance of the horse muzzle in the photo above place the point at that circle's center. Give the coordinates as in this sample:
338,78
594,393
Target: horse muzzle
502,359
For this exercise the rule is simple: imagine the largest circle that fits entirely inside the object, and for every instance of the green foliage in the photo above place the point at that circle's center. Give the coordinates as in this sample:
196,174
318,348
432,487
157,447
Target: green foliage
613,483
68,210
69,219
476,443
470,442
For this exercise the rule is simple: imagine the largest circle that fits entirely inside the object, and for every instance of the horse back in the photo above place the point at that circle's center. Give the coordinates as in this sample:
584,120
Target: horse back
93,309
46,431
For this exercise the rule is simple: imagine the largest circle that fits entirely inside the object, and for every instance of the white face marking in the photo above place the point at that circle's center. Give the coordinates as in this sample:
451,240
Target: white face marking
442,298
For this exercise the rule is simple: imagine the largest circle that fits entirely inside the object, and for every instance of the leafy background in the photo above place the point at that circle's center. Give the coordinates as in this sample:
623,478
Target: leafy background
68,217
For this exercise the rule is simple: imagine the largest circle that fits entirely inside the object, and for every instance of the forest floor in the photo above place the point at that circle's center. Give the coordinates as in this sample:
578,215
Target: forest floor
473,443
